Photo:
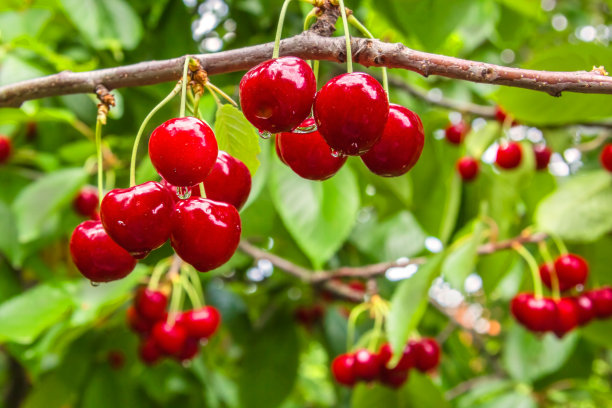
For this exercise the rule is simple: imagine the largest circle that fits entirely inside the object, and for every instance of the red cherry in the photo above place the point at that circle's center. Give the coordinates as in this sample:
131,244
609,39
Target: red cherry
137,322
190,349
606,157
468,168
183,151
277,94
566,317
151,304
229,181
343,369
6,148
138,218
426,354
501,115
351,111
201,323
602,301
307,154
571,269
393,378
367,365
86,201
455,133
406,362
205,233
537,315
509,155
97,256
277,148
170,338
400,146
585,309
542,156
149,352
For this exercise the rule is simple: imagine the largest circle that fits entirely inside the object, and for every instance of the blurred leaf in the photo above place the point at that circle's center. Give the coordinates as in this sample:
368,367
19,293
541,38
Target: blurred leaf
236,136
422,392
335,328
40,200
9,243
461,258
580,209
375,395
319,215
599,332
23,22
15,69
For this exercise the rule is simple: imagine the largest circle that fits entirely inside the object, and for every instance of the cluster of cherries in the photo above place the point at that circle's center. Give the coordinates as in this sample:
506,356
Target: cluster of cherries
351,117
160,337
565,314
363,365
204,232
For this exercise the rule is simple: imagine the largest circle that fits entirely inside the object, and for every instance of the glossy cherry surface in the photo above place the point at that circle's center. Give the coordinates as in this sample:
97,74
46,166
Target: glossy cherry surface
367,365
455,133
151,304
201,323
585,309
229,181
277,148
468,168
537,315
400,146
277,95
542,156
509,155
351,111
308,154
566,316
97,256
602,301
571,270
138,218
606,157
406,362
169,338
86,201
183,151
6,148
149,352
426,354
343,369
205,233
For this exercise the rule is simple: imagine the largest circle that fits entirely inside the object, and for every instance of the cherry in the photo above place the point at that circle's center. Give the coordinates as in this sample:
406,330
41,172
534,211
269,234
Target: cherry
170,338
468,168
189,350
6,148
229,181
351,111
86,201
501,115
509,155
201,323
307,154
205,233
536,315
400,146
96,255
137,322
605,157
585,309
566,316
151,304
455,133
602,301
277,148
393,378
571,269
183,150
367,365
343,369
149,352
277,94
406,362
138,218
426,354
542,156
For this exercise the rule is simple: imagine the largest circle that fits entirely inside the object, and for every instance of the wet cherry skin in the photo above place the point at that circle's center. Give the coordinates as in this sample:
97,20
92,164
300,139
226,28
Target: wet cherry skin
6,148
138,218
351,111
307,154
426,354
86,201
566,316
151,304
605,157
542,156
537,315
367,365
183,151
201,323
277,95
571,270
400,146
229,181
169,338
406,362
455,133
602,301
509,155
343,369
468,168
97,256
585,309
205,233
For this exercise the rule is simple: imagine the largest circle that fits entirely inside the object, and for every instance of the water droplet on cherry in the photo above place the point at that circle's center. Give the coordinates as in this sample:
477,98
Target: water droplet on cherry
264,134
94,284
336,153
183,192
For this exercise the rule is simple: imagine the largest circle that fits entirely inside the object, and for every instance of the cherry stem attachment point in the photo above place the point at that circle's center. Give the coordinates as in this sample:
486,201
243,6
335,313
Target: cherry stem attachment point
279,29
533,266
347,37
99,155
357,24
184,87
202,190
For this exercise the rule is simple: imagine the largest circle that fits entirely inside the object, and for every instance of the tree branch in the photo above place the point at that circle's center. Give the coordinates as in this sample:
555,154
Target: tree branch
308,45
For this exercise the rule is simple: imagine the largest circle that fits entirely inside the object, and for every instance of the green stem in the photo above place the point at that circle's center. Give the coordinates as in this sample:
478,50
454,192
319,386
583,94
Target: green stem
357,24
560,245
202,190
214,94
549,261
99,155
377,331
175,301
347,37
214,88
195,280
193,296
315,69
196,106
309,17
533,266
143,125
184,87
158,271
350,331
279,29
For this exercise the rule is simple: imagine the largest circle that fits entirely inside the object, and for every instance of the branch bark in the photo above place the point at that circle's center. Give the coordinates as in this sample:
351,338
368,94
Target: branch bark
308,45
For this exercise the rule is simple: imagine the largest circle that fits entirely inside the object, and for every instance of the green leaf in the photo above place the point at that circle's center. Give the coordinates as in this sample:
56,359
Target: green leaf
40,200
528,358
461,259
9,243
409,302
599,332
270,364
24,317
422,392
236,136
580,209
27,22
319,215
375,395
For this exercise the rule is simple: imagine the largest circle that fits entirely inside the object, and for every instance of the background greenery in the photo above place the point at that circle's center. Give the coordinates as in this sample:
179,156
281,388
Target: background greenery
57,332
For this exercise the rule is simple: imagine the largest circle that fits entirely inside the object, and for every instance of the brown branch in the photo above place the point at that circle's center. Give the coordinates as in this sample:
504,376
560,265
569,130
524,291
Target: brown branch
308,45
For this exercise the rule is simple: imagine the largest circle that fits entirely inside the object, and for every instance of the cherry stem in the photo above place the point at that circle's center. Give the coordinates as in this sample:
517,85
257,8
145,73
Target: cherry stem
211,87
533,266
99,155
212,92
158,271
196,105
350,331
315,69
357,24
309,17
279,29
195,280
184,87
347,37
175,301
378,321
193,295
553,272
560,245
202,190
143,125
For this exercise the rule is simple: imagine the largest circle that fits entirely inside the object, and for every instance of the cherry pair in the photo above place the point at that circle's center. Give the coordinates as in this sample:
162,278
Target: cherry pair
509,155
570,270
6,148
